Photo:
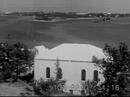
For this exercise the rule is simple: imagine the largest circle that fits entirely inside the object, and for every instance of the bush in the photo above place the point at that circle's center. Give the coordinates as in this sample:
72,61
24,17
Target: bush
48,87
27,78
91,88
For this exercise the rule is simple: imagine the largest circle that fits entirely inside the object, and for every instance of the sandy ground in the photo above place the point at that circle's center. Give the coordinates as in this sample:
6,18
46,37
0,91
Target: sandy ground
16,89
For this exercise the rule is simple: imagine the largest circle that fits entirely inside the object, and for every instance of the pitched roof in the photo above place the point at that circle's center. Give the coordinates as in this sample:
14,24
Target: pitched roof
69,51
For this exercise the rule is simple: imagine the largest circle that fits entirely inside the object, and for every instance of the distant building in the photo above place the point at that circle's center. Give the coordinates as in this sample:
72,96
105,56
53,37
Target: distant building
75,61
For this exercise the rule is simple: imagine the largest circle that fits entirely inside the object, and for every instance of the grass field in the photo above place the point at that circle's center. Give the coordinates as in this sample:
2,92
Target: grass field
33,33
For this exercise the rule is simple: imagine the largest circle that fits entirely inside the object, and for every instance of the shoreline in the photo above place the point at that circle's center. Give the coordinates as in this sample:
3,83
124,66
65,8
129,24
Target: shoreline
61,20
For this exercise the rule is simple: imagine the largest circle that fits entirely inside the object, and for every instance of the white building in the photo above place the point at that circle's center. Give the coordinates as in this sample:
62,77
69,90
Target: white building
75,61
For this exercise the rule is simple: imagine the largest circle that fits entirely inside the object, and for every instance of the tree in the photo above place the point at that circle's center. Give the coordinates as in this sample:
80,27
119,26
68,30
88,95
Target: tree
58,71
117,62
4,61
22,58
15,59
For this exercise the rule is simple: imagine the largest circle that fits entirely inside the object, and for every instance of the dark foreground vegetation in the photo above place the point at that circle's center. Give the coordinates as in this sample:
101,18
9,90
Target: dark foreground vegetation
116,70
16,60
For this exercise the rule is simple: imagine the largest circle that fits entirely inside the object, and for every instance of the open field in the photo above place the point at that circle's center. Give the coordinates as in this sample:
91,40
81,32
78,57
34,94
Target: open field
24,29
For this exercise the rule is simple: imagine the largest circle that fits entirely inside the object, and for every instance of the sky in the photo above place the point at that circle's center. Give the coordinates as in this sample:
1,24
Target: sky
117,6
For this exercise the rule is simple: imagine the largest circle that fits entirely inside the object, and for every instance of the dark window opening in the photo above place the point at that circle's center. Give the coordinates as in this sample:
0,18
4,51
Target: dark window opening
95,75
47,72
83,75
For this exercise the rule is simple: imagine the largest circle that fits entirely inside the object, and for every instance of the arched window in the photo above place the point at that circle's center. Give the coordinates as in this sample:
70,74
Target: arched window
95,76
83,74
47,72
59,73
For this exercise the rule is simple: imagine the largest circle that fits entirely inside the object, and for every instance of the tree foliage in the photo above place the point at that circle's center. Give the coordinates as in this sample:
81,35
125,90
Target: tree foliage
14,59
91,88
117,62
49,86
58,71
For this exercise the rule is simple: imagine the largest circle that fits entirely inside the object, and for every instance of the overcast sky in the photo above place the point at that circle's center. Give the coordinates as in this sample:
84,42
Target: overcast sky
66,5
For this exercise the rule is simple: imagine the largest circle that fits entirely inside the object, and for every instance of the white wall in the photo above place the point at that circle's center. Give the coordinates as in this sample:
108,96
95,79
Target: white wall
71,71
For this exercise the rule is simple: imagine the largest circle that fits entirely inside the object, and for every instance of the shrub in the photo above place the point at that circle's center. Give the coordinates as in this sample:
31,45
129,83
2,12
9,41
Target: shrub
48,87
91,88
27,78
